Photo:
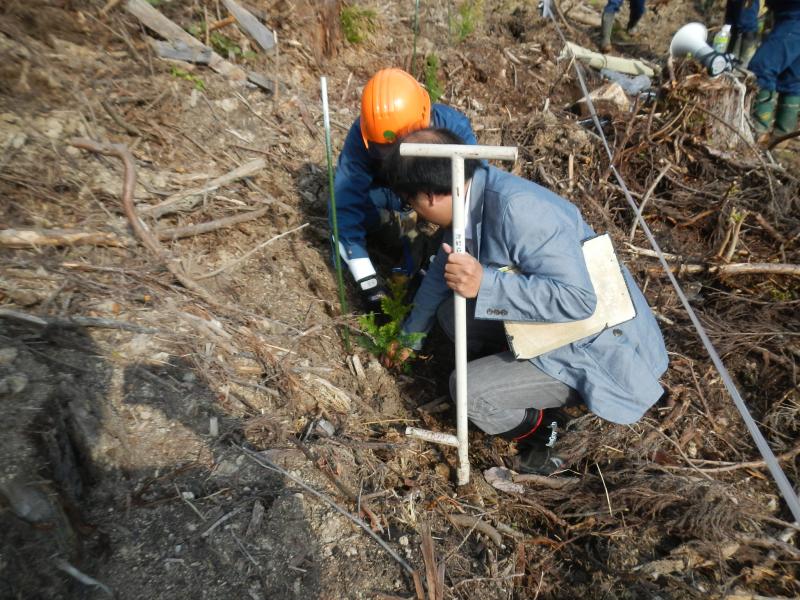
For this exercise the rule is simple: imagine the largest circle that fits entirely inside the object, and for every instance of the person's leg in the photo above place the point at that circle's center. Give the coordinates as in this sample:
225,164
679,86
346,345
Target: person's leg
778,53
637,12
748,17
607,24
517,401
501,390
788,84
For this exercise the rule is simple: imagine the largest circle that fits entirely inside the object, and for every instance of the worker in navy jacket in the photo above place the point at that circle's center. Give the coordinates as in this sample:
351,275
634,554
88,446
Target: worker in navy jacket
776,65
512,222
393,104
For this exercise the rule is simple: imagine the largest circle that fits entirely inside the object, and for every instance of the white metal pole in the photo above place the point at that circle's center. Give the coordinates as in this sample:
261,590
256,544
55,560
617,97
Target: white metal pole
460,247
457,154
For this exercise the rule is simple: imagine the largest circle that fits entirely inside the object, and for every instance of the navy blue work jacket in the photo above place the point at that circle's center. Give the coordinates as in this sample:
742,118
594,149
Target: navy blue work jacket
359,190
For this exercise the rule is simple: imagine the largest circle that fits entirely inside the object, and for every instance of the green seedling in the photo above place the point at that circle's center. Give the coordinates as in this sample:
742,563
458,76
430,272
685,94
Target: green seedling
181,74
357,23
220,43
379,339
227,47
464,22
432,83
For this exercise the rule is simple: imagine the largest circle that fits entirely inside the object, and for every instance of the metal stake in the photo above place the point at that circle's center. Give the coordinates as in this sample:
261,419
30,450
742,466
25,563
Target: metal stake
457,154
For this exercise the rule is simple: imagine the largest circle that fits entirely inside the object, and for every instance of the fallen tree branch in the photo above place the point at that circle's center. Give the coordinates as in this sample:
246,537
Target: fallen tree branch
479,525
187,199
783,138
722,270
71,322
117,118
647,195
35,238
554,483
753,464
140,229
82,577
175,233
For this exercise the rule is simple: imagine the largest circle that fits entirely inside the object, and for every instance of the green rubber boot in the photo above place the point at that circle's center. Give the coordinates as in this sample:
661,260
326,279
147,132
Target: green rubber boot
786,115
764,110
606,25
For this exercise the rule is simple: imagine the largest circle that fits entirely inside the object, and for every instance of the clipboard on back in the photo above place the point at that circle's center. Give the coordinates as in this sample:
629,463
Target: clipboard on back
614,306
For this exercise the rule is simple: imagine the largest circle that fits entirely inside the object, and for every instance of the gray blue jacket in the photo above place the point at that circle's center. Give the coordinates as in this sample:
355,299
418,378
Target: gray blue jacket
518,223
359,190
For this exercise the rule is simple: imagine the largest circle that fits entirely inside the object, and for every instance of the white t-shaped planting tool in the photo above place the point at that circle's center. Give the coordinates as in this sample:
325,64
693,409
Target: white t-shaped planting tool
457,154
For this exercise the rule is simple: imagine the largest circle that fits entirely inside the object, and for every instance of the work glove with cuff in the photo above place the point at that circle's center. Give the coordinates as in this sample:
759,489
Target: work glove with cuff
372,291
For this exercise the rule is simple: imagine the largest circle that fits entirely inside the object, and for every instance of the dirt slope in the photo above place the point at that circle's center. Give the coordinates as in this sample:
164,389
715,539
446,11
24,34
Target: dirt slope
126,430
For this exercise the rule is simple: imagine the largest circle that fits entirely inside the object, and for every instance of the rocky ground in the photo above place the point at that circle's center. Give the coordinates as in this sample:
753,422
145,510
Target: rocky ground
167,440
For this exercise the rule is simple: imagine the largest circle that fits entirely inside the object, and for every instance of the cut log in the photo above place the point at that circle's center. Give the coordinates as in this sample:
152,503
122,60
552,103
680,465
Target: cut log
599,61
179,50
263,36
153,19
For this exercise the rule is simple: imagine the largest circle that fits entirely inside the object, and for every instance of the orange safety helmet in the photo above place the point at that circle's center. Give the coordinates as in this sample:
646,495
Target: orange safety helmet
393,104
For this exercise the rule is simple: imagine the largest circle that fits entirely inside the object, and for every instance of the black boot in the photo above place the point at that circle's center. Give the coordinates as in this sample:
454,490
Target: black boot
536,439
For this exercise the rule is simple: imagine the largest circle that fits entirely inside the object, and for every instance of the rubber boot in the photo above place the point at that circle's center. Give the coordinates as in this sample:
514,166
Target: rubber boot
633,24
536,439
529,426
606,25
764,110
786,115
747,48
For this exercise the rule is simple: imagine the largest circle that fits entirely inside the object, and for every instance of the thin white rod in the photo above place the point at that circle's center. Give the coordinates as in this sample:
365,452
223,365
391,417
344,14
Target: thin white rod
460,247
435,437
465,151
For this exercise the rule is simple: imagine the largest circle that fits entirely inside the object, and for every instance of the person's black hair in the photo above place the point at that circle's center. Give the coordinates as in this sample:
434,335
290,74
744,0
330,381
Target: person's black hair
410,175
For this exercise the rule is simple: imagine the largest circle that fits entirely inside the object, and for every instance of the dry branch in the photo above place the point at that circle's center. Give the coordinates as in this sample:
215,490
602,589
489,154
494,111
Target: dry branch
187,199
174,233
480,525
142,231
34,238
722,270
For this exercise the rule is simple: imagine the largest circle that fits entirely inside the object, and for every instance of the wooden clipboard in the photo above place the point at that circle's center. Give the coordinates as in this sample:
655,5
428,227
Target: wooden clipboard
614,306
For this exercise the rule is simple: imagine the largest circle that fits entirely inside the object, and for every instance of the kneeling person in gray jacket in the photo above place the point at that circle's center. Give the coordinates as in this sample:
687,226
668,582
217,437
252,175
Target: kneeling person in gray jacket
513,222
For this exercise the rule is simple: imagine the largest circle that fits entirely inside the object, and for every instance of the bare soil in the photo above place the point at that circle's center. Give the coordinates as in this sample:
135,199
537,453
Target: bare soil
130,444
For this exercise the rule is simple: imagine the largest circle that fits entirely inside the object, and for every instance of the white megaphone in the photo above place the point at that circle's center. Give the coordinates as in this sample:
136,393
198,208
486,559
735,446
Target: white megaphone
691,41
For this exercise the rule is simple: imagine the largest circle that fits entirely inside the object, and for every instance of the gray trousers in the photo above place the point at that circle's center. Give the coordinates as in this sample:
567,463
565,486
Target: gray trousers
499,387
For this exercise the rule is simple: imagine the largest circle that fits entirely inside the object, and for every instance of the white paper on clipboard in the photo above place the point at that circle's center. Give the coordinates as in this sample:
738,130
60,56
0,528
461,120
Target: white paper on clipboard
614,306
